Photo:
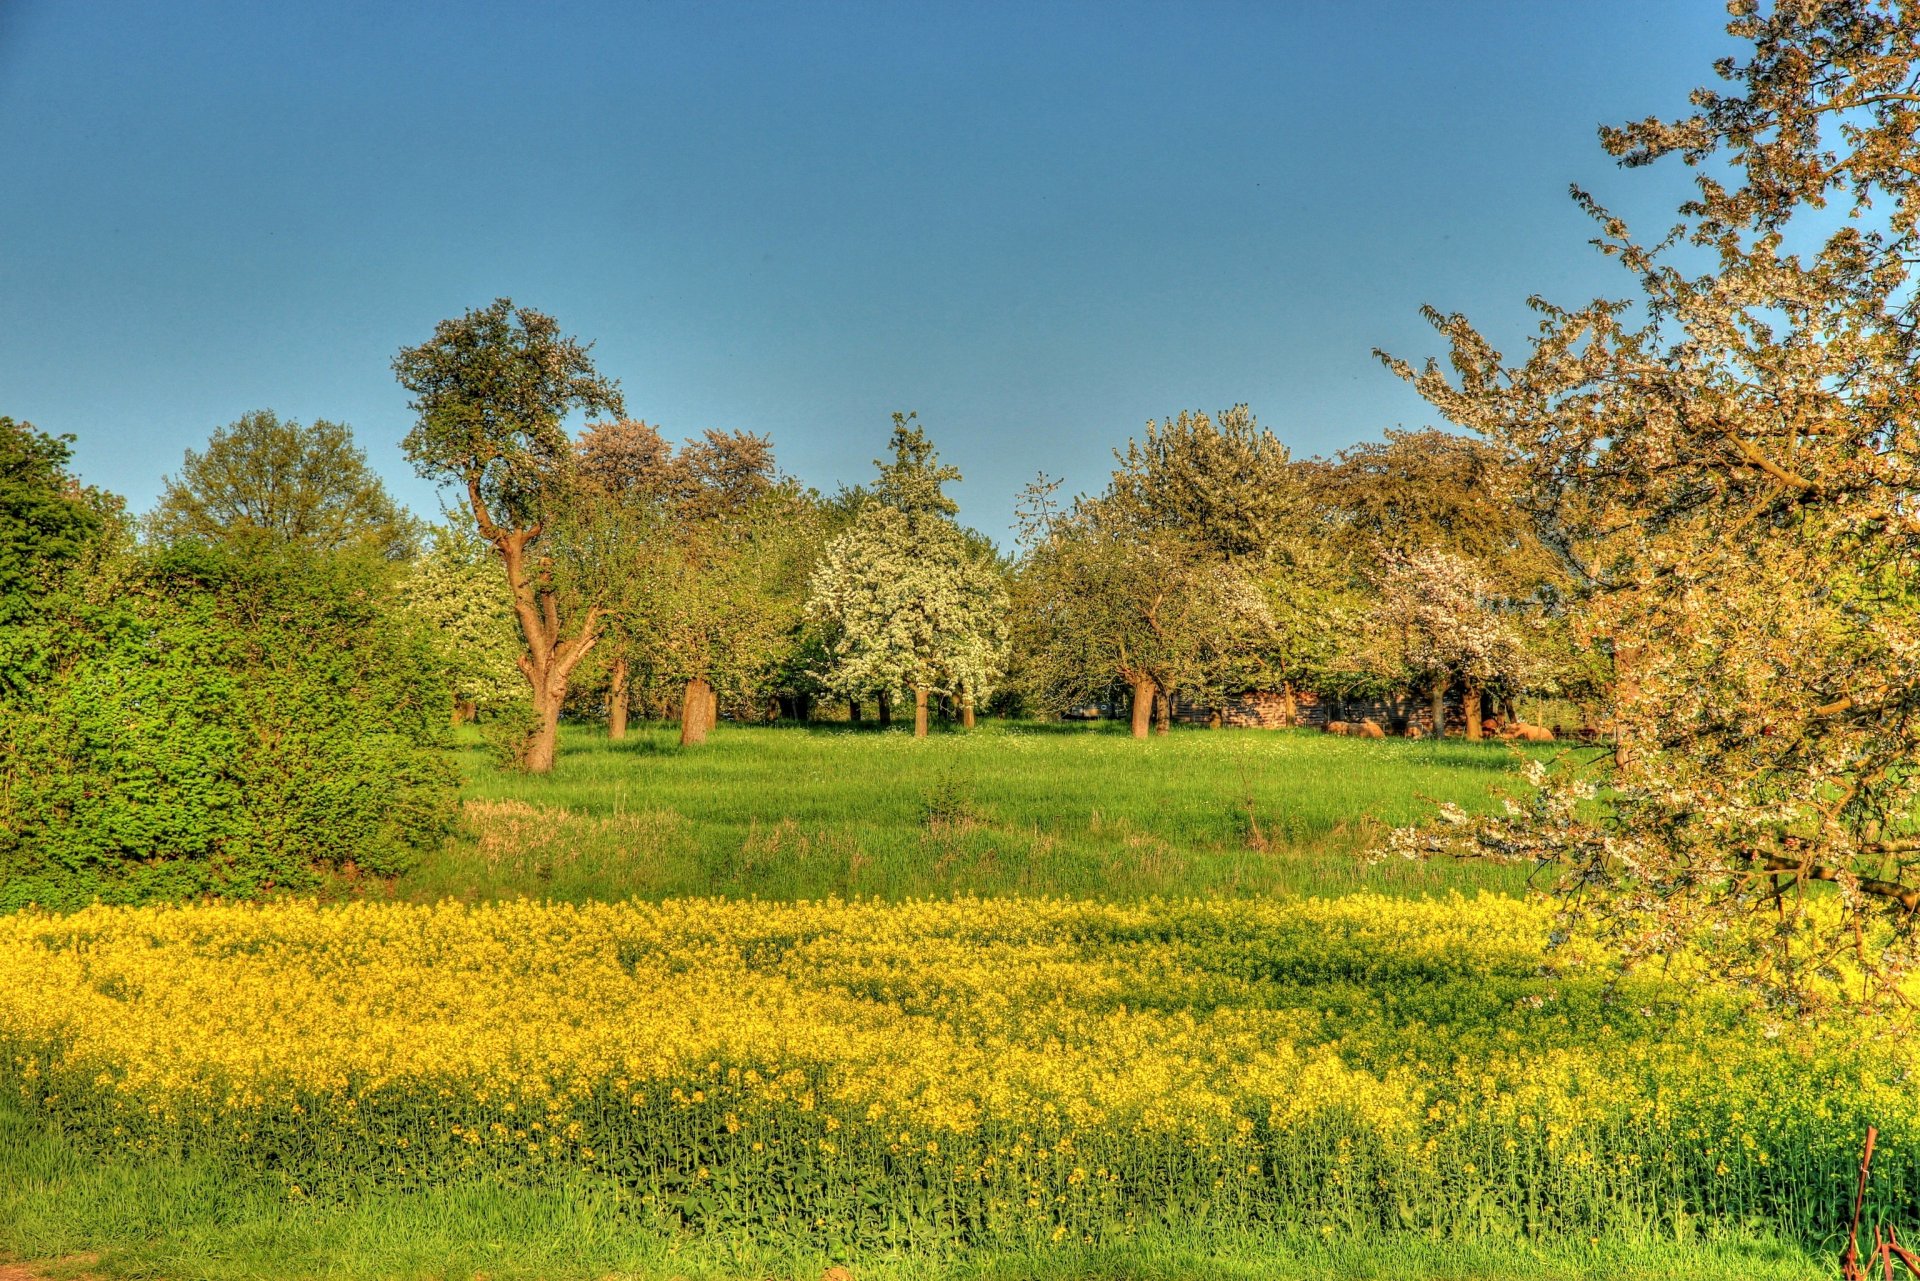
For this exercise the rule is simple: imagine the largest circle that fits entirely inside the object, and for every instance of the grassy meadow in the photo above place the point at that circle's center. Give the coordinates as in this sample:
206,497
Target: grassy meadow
1034,1001
1074,810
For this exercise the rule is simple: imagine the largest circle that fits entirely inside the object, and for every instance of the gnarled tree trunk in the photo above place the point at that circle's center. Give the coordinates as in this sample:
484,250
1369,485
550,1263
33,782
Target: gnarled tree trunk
550,656
966,709
694,710
1144,692
1470,708
617,701
919,711
1439,707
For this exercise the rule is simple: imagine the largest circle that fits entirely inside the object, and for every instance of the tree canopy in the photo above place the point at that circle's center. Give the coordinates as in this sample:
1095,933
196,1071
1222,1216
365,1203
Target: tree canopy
261,479
1728,462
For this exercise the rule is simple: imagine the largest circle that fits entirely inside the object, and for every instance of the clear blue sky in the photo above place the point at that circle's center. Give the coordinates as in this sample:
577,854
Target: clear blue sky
1038,224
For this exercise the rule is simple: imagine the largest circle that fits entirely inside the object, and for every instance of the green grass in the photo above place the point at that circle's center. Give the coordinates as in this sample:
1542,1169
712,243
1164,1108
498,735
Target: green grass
177,1217
1079,811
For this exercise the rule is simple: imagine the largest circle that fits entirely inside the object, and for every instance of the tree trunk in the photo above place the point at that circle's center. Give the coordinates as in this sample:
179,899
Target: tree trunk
536,755
1439,707
712,707
549,658
1289,704
1143,695
966,710
617,701
464,710
1162,712
693,712
853,711
886,709
1470,708
920,711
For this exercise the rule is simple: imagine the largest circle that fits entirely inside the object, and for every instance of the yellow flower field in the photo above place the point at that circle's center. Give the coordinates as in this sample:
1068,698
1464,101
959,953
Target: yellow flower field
961,1071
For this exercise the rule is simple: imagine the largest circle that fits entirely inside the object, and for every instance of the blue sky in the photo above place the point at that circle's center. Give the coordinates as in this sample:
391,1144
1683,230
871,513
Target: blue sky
1036,224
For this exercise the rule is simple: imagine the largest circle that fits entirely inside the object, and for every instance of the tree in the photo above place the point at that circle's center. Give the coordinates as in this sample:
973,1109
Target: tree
452,590
491,390
1100,600
1423,490
1178,576
287,484
1436,620
46,519
708,594
1728,465
913,604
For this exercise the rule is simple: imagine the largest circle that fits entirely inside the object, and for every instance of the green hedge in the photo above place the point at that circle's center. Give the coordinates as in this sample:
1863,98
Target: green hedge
222,722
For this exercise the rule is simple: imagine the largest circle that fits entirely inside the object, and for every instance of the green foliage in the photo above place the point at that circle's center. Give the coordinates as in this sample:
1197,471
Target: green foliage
45,518
908,599
491,389
911,483
288,484
224,723
453,587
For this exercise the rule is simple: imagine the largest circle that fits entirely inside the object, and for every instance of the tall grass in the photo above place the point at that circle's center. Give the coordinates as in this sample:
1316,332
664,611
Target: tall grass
1087,812
169,1216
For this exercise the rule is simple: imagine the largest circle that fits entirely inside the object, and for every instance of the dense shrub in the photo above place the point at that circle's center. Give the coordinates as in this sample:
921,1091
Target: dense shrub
223,722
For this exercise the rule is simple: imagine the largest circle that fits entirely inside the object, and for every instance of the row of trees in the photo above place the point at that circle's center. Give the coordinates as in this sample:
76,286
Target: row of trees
613,569
1212,563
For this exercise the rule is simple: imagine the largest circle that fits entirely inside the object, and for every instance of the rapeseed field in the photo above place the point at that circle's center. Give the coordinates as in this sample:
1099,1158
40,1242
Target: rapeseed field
960,1073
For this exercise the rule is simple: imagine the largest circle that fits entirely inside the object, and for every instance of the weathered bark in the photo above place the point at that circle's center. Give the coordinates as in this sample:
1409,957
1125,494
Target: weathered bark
1144,692
920,711
966,710
1289,703
1439,707
551,655
617,701
853,711
1470,709
694,705
886,710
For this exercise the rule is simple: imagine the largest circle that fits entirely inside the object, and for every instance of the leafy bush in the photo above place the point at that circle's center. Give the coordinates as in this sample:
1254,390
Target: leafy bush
222,723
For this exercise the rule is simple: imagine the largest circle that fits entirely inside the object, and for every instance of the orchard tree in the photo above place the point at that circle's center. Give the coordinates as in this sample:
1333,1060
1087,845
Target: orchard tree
491,390
453,590
284,484
708,595
1184,574
1422,490
1100,600
1728,463
912,603
1437,621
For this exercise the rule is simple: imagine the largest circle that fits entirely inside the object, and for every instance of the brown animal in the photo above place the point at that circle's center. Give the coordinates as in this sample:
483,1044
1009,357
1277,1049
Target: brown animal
1528,733
1336,727
1413,731
1367,729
